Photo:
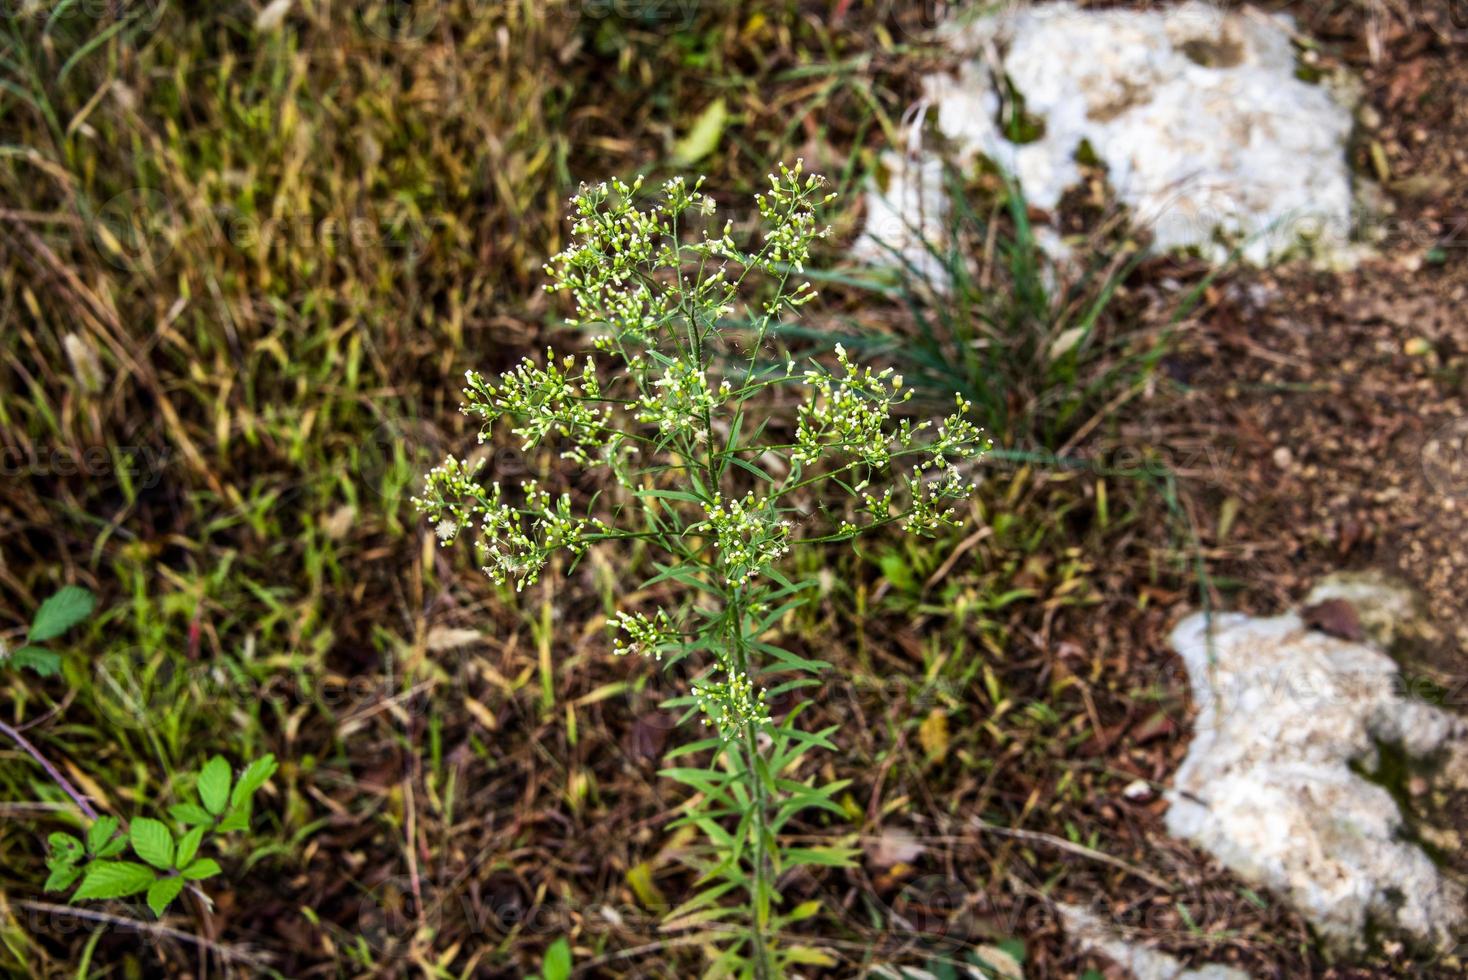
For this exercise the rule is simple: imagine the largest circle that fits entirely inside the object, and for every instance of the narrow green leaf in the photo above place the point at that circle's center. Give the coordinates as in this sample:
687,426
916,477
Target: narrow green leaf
69,606
751,468
791,685
792,661
680,495
91,45
113,879
702,900
703,136
557,964
691,748
830,857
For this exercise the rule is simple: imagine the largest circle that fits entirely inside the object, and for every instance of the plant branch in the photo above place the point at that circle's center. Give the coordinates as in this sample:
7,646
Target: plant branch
762,886
52,771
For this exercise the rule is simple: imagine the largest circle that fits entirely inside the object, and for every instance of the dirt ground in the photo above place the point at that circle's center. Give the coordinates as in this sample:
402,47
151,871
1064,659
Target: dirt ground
1315,421
1335,402
1316,409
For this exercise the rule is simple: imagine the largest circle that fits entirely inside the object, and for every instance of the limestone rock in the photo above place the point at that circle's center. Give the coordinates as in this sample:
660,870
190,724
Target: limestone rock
1196,112
1388,608
1143,963
1270,786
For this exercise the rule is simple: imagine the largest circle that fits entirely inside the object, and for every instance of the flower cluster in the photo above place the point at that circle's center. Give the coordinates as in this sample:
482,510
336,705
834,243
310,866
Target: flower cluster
849,413
645,637
541,400
959,437
514,543
749,536
616,249
929,507
613,242
731,705
451,496
789,208
681,400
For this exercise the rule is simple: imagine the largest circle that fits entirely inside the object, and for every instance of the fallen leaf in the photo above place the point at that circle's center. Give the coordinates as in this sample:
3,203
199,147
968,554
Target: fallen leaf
1334,617
1156,726
442,638
481,714
933,735
1228,512
892,848
639,877
1066,342
703,137
1001,964
272,16
649,735
340,522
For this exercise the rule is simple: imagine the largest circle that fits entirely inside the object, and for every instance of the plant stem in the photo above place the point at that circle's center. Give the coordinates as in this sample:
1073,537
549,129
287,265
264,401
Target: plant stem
763,887
55,774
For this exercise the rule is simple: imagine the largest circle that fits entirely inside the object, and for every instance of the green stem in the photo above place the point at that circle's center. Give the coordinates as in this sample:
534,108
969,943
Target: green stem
762,888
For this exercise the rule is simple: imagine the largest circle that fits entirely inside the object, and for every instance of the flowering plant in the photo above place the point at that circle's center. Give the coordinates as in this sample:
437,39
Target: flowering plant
677,410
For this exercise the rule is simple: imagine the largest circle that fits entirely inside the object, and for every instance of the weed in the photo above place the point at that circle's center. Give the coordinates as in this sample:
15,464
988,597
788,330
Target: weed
723,488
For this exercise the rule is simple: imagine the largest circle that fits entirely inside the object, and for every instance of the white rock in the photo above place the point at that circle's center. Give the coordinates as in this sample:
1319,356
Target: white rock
1196,112
907,222
1138,791
1267,785
1091,933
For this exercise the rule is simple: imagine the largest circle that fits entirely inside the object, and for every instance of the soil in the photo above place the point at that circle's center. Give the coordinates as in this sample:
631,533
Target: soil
1335,403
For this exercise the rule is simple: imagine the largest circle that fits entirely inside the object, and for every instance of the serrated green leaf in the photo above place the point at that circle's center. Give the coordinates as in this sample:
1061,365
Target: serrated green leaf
152,842
114,879
202,868
61,612
112,848
60,879
64,850
190,813
44,662
256,774
188,846
214,784
99,834
163,891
